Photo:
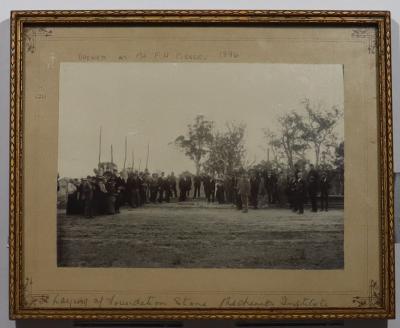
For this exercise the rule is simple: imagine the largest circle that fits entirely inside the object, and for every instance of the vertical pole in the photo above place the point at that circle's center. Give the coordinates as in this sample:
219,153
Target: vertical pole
126,143
147,157
112,157
100,146
268,155
140,162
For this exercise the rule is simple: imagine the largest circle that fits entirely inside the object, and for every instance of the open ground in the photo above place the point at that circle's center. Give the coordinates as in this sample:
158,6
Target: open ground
197,235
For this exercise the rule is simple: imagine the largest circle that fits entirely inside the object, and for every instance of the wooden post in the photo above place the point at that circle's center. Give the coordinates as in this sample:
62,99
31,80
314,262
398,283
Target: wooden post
112,157
147,157
100,146
126,142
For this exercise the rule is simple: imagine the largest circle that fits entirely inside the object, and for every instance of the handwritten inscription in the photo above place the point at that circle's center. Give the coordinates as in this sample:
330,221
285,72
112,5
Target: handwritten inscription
303,302
148,301
229,54
245,302
189,302
191,57
91,58
268,303
160,55
118,301
40,96
65,301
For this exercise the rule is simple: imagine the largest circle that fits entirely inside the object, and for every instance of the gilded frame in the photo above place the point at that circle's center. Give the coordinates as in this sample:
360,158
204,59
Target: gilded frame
378,19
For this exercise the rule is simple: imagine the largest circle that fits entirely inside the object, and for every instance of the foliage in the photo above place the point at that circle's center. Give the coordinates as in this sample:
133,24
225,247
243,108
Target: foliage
227,150
296,134
318,128
296,137
339,156
196,143
289,142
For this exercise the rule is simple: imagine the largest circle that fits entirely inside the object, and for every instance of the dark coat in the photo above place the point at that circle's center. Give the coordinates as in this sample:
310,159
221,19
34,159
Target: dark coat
254,185
188,183
197,180
87,191
182,183
312,179
324,185
300,189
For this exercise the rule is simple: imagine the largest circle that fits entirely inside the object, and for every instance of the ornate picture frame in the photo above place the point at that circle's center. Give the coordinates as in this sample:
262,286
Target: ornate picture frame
44,43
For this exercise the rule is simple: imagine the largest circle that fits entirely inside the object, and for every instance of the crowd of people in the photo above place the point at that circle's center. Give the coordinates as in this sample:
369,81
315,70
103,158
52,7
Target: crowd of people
106,192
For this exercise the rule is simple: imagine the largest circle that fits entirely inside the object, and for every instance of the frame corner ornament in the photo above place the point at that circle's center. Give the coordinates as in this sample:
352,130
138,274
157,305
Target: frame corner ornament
373,299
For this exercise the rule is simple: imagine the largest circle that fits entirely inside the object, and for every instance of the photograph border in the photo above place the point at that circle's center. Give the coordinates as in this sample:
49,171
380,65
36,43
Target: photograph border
377,19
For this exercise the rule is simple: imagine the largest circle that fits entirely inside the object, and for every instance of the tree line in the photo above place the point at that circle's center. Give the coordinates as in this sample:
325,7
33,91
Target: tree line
299,137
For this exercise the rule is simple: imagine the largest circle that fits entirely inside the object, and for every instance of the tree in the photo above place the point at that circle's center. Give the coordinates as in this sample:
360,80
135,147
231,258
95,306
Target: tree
339,156
227,151
195,144
339,164
289,141
318,128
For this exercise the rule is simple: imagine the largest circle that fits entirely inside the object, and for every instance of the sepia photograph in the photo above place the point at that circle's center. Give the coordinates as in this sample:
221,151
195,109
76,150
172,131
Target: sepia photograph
201,165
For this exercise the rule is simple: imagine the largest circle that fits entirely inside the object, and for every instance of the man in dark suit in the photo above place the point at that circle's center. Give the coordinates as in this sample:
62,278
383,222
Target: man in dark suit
172,184
244,189
133,189
206,185
254,187
188,184
120,187
197,185
182,188
141,188
324,187
312,180
166,188
212,190
300,192
269,186
160,183
153,185
237,197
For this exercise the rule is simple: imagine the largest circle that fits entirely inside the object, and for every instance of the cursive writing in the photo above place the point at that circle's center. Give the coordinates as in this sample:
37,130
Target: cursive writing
245,302
120,301
302,302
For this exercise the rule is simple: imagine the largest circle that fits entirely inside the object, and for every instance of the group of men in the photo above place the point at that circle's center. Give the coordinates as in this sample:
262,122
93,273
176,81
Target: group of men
106,193
275,188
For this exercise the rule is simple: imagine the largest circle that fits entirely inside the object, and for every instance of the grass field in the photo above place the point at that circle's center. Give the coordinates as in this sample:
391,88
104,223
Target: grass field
195,235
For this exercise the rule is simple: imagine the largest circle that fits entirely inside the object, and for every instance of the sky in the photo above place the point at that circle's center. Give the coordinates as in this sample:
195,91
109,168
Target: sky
152,104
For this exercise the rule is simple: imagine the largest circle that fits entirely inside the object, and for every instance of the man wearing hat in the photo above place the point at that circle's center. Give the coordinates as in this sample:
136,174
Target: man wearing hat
324,187
244,190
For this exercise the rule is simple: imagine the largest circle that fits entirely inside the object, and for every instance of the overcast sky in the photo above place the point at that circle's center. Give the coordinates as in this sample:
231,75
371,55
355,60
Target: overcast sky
153,103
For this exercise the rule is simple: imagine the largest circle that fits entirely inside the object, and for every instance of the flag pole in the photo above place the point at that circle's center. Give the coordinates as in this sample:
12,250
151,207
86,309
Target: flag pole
112,157
100,146
126,142
147,157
